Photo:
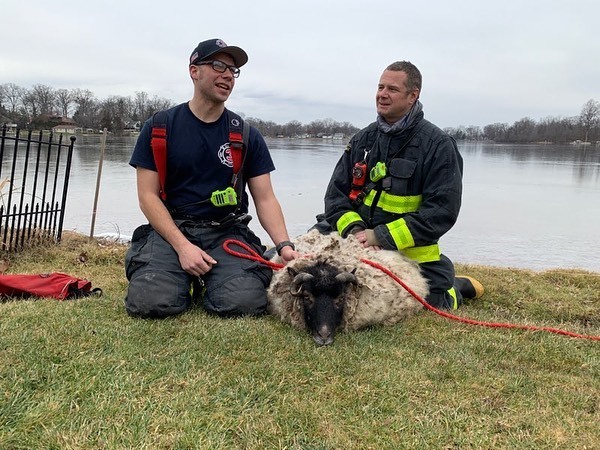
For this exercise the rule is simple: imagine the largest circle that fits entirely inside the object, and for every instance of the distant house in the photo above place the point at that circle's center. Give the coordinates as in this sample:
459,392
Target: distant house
56,119
65,128
338,136
131,125
61,124
10,126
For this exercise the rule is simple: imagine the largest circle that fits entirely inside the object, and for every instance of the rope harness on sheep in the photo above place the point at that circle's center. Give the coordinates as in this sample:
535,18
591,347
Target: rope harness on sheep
254,256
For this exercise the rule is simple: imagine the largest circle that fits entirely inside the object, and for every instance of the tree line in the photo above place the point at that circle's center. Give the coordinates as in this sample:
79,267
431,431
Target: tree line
584,128
42,107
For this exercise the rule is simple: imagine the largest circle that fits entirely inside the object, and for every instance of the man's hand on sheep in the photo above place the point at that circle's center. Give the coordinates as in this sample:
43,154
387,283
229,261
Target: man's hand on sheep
368,239
288,254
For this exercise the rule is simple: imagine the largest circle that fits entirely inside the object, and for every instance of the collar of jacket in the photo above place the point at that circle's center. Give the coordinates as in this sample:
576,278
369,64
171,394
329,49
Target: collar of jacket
415,114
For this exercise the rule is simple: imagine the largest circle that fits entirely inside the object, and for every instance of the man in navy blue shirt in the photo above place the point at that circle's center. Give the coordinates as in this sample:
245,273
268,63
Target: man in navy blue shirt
178,254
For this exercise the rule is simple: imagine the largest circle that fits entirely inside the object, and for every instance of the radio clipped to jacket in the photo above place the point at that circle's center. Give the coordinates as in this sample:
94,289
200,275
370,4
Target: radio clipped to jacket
359,176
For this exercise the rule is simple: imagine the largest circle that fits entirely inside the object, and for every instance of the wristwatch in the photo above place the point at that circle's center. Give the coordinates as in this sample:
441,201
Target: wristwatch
282,244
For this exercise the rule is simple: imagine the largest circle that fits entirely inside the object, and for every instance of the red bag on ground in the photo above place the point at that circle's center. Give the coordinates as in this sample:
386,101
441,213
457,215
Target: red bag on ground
55,285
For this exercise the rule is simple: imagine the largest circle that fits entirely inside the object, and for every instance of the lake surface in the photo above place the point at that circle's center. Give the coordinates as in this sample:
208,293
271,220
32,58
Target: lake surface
526,206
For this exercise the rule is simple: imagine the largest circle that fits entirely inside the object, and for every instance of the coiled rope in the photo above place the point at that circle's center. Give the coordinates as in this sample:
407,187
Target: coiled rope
254,256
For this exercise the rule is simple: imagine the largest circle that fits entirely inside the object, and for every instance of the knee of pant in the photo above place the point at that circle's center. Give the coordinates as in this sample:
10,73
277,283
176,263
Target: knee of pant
241,295
157,294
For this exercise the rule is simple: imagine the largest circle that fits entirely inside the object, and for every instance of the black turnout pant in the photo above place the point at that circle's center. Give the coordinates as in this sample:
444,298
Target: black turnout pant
159,287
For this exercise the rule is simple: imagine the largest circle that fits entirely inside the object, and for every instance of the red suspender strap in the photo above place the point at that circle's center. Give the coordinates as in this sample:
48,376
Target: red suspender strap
236,147
158,143
236,144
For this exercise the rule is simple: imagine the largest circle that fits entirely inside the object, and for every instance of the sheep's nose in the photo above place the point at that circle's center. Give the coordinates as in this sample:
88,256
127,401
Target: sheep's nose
323,336
319,340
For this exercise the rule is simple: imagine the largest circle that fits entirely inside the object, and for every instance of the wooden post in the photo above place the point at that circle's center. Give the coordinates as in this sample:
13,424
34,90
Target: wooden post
98,177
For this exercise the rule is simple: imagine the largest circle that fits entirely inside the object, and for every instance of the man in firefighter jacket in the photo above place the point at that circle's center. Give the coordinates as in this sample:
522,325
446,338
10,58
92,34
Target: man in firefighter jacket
398,185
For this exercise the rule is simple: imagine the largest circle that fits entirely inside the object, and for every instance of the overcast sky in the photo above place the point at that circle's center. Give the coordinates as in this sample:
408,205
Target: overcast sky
481,62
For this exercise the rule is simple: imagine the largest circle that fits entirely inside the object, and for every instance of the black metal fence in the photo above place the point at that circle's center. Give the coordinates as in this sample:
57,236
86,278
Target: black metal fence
34,178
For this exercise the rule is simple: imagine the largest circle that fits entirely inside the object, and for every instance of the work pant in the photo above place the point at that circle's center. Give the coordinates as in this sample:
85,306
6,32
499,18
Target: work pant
440,278
159,287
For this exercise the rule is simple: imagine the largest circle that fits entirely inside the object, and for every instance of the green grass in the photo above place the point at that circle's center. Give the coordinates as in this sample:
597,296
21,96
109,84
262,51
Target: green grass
83,375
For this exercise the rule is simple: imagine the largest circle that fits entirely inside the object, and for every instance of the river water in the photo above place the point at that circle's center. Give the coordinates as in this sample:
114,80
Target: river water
526,206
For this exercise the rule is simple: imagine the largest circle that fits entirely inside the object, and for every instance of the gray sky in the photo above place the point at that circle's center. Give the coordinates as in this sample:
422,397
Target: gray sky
482,63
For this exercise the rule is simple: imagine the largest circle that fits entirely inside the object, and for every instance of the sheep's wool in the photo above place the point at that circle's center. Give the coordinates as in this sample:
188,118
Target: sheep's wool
378,299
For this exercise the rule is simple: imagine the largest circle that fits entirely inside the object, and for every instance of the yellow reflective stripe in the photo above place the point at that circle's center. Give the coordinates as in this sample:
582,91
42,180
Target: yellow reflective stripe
398,204
400,234
425,253
368,200
452,293
346,220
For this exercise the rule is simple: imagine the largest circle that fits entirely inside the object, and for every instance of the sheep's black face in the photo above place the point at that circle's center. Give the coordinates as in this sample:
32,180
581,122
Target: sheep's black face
323,315
322,289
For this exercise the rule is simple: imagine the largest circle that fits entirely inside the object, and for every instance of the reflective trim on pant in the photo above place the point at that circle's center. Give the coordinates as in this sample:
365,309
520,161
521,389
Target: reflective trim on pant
452,293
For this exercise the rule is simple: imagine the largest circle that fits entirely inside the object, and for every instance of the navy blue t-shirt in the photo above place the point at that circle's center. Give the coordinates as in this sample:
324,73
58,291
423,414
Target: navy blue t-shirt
199,162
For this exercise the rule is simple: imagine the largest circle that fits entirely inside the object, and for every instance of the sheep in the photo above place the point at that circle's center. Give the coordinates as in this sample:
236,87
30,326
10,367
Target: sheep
329,288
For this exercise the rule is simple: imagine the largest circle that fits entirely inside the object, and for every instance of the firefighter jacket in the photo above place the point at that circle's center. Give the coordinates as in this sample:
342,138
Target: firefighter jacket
416,202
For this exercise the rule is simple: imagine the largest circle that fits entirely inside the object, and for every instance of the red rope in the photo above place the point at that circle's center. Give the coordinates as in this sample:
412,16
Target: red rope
251,255
471,321
254,256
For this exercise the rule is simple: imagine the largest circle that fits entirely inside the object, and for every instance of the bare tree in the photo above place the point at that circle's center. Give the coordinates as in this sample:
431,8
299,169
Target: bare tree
523,130
43,96
156,104
13,97
30,106
474,133
64,100
1,97
292,128
86,112
315,127
115,112
590,116
140,106
328,125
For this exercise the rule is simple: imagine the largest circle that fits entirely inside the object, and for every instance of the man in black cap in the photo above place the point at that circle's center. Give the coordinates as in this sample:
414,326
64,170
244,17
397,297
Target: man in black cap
201,201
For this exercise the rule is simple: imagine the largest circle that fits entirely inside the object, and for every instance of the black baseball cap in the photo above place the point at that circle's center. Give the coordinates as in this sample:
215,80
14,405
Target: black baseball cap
206,49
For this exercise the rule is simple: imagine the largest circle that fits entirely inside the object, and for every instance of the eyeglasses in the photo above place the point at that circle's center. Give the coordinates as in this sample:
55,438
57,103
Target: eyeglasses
221,67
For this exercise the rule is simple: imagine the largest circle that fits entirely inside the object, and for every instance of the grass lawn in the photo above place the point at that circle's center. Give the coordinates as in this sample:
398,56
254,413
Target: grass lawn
83,375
